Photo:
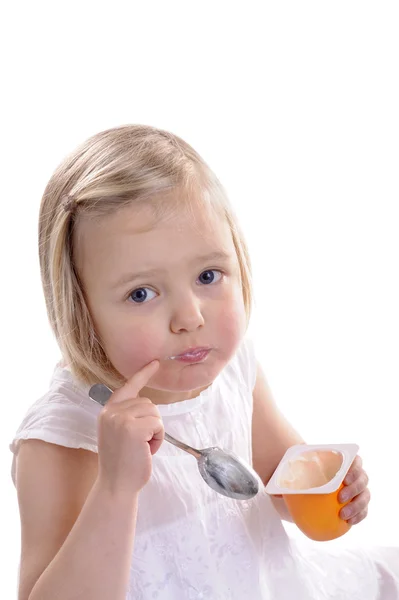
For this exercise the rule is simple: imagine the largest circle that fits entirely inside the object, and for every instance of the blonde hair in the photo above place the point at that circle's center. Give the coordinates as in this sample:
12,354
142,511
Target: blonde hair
110,170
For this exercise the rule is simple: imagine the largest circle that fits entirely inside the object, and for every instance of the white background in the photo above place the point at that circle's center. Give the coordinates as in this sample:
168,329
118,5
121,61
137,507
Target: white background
295,107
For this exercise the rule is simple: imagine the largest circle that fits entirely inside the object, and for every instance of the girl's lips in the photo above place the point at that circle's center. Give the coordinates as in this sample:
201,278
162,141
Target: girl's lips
193,355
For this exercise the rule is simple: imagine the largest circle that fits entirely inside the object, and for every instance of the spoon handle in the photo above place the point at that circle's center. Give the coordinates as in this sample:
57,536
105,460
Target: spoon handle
100,393
193,451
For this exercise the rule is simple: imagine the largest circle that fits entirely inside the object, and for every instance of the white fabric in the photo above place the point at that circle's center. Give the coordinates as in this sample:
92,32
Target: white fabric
192,543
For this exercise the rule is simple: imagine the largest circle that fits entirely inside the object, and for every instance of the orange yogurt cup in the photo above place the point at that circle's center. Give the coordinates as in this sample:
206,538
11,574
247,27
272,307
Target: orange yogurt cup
310,477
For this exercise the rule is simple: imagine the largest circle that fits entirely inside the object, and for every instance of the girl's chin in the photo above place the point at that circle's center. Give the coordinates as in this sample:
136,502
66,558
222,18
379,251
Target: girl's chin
193,380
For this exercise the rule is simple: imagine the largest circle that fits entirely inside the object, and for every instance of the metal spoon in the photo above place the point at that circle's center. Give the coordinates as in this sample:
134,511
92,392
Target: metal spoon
222,471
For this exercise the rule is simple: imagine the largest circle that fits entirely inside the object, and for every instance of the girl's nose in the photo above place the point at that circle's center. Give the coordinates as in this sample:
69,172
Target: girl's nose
187,316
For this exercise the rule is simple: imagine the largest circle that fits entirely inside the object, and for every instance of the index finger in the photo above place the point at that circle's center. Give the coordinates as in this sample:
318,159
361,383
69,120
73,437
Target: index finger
135,384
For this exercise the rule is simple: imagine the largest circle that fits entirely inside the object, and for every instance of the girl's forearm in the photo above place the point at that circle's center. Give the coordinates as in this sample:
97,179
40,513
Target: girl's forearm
94,561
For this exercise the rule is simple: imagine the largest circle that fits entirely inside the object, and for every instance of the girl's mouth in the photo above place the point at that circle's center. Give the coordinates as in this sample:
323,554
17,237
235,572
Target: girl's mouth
192,355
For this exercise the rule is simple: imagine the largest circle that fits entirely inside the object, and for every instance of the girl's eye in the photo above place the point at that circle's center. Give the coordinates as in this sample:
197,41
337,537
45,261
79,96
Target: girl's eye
211,276
142,295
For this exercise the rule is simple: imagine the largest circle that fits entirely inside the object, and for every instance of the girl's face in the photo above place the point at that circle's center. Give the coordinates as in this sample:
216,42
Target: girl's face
157,289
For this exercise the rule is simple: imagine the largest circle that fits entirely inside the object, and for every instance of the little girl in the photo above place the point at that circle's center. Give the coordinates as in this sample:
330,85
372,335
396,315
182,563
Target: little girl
146,278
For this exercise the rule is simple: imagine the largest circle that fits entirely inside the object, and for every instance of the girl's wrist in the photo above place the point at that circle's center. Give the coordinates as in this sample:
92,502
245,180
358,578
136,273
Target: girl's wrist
117,495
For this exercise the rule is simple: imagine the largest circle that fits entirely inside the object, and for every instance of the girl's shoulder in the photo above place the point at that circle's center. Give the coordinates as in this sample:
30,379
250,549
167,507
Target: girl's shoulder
64,415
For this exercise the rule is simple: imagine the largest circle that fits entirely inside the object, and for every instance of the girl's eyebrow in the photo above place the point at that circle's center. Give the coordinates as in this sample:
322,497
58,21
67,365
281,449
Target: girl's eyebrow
130,277
219,255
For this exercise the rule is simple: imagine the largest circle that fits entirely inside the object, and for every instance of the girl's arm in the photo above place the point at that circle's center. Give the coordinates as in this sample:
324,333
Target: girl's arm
77,536
272,435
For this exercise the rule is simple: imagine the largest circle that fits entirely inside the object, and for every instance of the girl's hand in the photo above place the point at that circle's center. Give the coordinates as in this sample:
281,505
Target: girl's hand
356,490
130,431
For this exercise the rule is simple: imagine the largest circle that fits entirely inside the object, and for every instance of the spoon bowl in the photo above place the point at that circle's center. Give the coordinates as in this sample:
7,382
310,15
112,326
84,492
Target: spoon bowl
227,474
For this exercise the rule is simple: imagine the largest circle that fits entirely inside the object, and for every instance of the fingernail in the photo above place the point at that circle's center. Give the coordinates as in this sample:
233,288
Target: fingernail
346,513
348,479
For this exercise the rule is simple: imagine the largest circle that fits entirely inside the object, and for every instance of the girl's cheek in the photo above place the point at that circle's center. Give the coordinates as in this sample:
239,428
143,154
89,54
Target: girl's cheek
233,317
134,348
229,333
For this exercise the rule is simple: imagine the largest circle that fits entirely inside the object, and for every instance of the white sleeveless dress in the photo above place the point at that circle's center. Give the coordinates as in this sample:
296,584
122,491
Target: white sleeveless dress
192,543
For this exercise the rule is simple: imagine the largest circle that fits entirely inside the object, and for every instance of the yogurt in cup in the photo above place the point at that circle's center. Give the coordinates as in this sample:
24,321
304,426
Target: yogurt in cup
310,477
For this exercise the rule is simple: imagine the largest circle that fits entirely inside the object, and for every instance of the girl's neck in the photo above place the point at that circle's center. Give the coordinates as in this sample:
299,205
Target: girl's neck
166,397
